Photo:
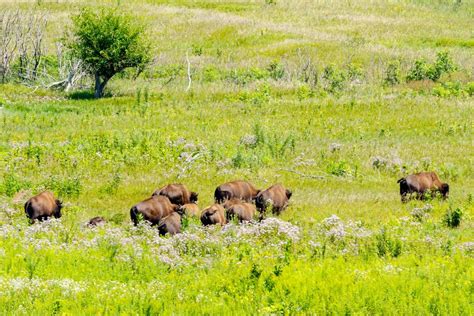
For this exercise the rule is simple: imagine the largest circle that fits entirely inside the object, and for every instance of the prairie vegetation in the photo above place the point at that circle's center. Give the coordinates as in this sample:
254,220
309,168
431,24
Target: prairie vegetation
336,100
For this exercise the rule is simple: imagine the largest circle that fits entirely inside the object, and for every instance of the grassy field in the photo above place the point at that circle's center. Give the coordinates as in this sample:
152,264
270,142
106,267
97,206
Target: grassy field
282,91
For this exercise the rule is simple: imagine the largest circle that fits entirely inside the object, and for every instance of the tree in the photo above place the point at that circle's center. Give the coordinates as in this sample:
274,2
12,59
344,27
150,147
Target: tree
108,42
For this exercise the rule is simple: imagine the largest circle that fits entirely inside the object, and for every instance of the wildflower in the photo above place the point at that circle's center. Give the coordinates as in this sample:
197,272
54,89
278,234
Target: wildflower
335,147
249,140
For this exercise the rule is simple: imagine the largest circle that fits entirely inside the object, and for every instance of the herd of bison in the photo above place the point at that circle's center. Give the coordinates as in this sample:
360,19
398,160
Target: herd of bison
236,199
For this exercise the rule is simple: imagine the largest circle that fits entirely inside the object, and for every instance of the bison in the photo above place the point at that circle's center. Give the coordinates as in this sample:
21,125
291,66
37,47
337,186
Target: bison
420,184
152,209
237,208
276,196
96,221
236,189
190,209
177,193
43,206
171,224
213,214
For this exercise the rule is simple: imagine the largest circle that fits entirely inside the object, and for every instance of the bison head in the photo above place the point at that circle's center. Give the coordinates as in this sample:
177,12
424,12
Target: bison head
194,197
444,190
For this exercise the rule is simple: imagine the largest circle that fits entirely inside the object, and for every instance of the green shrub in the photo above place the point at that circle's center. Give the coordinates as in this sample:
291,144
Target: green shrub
452,218
276,70
422,70
335,79
11,185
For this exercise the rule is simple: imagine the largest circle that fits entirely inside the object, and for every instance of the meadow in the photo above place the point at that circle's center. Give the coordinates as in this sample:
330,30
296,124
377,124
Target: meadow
298,92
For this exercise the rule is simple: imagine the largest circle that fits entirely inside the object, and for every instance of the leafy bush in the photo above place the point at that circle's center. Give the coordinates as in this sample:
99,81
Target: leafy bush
454,89
452,218
11,185
108,42
335,79
276,70
422,70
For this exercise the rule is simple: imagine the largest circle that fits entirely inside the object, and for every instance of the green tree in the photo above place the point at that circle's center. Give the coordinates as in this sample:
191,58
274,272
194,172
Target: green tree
108,42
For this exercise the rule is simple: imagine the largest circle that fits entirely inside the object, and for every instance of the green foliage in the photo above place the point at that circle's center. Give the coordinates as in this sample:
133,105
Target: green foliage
422,70
387,245
276,70
108,42
454,89
452,217
335,79
67,186
11,184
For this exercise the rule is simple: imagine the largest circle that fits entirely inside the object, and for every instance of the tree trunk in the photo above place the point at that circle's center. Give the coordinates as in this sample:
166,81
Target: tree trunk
99,86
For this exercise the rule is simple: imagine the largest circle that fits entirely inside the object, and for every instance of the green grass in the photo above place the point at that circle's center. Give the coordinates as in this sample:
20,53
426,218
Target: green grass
102,156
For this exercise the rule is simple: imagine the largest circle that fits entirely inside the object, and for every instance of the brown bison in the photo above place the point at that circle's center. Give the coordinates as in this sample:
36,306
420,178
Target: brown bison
420,184
152,209
43,206
214,214
190,209
236,189
171,224
237,208
276,196
177,193
96,221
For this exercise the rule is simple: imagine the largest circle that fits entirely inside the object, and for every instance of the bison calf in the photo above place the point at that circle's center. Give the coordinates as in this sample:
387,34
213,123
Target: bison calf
43,206
152,209
237,208
171,224
276,196
212,215
236,189
419,184
190,209
96,221
177,193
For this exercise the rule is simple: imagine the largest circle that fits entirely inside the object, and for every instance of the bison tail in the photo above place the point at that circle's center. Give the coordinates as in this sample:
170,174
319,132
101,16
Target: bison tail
27,206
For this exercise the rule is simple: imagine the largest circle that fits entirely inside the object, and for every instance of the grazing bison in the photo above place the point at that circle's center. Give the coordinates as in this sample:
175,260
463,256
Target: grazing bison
190,209
171,224
237,208
276,196
177,193
214,214
43,206
420,184
96,221
236,189
152,209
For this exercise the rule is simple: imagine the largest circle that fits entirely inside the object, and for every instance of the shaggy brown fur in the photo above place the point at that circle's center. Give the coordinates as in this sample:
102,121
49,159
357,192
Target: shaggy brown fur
276,196
96,221
170,224
214,214
152,209
237,208
419,184
177,193
236,189
191,209
43,206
